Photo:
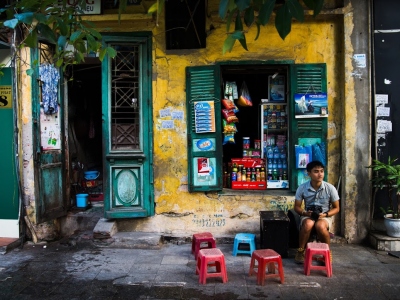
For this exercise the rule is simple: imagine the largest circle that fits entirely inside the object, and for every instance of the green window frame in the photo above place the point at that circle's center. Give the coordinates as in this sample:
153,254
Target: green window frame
203,83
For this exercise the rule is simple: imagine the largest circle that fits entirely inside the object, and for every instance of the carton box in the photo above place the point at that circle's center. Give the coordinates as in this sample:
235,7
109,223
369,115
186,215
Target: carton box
249,162
278,184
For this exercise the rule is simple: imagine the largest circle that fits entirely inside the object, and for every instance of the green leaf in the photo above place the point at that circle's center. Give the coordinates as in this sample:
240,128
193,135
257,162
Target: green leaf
228,44
266,11
31,39
41,18
238,23
318,7
26,17
310,4
237,35
249,16
62,40
152,9
258,30
92,44
62,26
74,36
111,52
29,72
229,20
102,54
59,62
296,10
95,33
11,23
243,43
242,4
223,8
46,32
283,21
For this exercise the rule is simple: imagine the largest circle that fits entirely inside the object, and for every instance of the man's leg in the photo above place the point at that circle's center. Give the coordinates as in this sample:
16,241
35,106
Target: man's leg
304,235
322,229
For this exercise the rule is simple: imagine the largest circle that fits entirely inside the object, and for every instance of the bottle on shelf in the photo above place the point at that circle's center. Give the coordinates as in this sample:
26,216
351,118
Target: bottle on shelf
234,173
276,153
262,174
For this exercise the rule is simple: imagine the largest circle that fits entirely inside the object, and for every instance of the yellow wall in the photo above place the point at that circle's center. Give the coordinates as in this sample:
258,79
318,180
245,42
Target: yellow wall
179,212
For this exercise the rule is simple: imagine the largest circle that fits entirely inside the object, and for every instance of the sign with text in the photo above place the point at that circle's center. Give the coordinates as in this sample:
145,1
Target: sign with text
92,7
5,96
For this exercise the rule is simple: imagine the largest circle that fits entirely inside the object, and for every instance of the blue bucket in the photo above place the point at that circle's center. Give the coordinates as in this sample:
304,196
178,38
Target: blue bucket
82,200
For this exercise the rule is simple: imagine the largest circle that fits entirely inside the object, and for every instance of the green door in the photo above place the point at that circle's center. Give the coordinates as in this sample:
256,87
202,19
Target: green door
49,147
9,200
127,127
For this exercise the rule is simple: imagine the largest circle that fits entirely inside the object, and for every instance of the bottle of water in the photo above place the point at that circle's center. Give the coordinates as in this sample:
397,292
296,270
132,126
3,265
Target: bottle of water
276,152
282,153
270,153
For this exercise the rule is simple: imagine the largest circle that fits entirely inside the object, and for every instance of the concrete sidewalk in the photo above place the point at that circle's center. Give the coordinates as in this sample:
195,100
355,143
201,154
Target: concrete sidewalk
83,270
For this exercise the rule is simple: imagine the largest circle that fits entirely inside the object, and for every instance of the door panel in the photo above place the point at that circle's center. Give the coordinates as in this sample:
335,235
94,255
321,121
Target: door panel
127,128
51,202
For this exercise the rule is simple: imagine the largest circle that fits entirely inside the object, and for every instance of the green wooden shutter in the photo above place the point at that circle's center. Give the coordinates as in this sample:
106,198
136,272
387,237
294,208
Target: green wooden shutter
204,148
305,78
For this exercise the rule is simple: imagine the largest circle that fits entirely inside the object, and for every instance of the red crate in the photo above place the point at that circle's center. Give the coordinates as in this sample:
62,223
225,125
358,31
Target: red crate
249,185
96,197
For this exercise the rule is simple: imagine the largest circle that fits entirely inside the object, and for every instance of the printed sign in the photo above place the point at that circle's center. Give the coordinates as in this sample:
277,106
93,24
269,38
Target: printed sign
5,96
204,116
92,7
313,105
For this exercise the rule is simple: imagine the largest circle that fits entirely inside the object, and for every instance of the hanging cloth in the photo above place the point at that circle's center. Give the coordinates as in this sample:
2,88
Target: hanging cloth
49,75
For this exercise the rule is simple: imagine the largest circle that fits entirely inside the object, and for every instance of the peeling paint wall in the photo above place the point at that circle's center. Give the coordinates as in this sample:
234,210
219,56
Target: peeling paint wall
330,38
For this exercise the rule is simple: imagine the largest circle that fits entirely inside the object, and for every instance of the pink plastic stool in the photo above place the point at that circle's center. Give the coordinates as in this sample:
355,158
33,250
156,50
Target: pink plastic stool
211,258
198,241
317,249
266,259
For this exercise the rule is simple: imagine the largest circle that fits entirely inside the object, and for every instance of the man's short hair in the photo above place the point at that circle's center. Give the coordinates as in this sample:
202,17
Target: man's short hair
315,163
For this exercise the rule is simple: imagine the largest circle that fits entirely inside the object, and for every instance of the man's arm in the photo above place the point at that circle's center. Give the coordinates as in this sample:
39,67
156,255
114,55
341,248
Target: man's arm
335,208
297,207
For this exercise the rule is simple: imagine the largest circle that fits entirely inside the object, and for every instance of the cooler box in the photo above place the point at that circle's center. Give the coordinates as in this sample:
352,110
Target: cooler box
274,231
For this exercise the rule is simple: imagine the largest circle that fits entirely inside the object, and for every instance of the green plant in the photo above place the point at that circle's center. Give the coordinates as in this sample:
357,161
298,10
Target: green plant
387,175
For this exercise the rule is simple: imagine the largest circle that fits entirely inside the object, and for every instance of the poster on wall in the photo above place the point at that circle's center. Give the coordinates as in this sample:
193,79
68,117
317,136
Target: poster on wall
313,105
50,131
5,96
204,174
204,116
276,88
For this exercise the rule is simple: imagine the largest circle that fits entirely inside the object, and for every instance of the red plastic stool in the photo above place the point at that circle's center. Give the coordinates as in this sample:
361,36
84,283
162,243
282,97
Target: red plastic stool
266,259
198,241
317,249
211,258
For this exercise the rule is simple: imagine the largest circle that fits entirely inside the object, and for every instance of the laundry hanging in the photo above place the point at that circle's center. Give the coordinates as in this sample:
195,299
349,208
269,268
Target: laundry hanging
49,75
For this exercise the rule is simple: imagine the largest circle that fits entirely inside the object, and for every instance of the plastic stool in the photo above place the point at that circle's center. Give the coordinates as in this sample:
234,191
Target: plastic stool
266,259
211,258
198,241
244,238
317,249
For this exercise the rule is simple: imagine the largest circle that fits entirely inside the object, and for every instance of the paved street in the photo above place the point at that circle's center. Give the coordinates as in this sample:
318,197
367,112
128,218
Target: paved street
78,269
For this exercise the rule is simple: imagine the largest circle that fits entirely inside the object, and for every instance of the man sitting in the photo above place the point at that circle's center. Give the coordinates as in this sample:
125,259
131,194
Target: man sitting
321,201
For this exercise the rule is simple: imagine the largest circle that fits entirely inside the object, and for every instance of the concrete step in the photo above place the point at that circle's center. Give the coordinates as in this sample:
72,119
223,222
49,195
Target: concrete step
379,240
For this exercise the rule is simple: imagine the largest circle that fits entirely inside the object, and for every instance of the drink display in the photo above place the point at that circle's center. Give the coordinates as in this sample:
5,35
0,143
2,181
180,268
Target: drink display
274,135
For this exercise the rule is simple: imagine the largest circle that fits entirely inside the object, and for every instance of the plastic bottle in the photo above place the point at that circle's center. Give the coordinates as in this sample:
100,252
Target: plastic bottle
270,152
276,152
274,174
282,153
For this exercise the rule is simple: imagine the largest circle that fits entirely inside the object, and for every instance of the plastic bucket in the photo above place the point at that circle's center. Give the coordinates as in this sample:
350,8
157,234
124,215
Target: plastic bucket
82,200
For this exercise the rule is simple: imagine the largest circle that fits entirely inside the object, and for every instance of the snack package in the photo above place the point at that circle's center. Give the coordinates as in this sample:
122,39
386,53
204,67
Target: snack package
229,138
244,99
229,116
229,127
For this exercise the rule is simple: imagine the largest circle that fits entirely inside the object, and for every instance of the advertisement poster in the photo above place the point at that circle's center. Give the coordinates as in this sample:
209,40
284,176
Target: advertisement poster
276,88
50,131
205,172
313,105
204,114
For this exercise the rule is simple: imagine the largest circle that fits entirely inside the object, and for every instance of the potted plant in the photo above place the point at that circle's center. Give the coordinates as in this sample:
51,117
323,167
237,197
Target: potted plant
387,176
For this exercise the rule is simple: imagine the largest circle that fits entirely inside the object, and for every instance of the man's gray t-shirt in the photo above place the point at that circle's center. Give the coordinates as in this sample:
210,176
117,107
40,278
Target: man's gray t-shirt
322,197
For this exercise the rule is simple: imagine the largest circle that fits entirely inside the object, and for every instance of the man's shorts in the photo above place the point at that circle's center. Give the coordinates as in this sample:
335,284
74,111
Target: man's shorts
327,219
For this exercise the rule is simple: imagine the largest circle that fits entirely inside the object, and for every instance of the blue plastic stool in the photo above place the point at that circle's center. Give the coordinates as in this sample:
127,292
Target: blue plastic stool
244,238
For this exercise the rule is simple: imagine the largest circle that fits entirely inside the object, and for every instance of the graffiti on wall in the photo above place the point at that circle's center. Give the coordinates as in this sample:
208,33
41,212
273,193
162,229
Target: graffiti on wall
211,220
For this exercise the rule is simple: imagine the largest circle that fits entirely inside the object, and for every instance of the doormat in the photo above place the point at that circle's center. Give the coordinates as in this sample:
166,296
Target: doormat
394,253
